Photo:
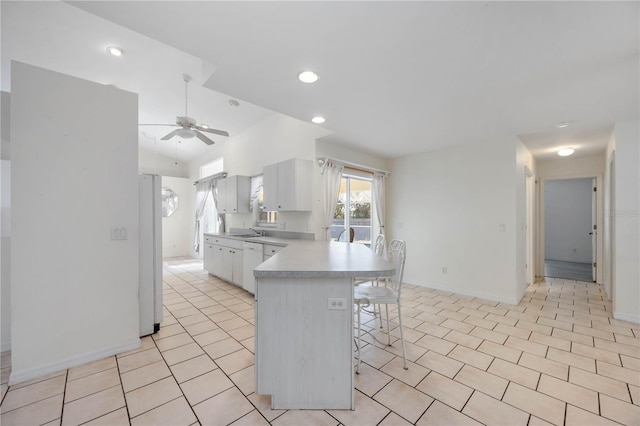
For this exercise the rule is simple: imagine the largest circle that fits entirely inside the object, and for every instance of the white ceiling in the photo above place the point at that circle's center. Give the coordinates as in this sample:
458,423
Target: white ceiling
72,41
396,78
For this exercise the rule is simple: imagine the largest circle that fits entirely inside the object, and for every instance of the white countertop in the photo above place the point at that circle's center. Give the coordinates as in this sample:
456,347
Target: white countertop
262,240
308,259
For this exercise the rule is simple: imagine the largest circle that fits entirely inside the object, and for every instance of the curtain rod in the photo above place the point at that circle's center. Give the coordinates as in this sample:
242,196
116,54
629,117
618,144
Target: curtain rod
355,166
212,177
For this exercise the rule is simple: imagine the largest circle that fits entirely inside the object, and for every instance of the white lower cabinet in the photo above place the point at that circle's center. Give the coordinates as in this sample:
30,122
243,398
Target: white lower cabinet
217,262
223,258
208,258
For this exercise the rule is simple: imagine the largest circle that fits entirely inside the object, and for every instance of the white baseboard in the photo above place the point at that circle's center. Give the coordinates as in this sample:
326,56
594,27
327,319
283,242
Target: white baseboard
627,317
43,370
566,259
465,292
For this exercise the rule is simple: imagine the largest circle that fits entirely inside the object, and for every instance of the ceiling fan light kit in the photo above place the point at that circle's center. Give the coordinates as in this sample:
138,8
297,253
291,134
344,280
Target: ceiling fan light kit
188,127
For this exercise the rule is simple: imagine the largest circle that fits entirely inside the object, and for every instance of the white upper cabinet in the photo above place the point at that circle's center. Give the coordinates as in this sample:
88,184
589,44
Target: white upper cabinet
287,186
233,194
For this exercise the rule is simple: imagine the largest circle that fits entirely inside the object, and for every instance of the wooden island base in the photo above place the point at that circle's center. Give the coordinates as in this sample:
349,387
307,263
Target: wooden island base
304,323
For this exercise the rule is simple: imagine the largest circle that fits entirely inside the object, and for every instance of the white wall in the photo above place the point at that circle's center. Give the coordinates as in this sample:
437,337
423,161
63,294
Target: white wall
176,233
5,257
456,208
626,292
568,167
74,291
5,109
568,220
156,164
5,219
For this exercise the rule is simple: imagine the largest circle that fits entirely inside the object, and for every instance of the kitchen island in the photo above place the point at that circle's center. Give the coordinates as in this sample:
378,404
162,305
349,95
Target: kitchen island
304,322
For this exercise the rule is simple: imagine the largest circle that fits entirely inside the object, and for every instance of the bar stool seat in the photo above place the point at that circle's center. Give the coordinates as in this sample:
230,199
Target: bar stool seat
386,294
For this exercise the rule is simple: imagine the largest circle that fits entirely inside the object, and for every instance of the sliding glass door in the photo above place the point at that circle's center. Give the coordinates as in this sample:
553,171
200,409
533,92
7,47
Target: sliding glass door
353,211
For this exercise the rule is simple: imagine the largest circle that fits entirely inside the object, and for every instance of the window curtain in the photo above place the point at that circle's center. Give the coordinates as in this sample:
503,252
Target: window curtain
214,194
378,199
202,191
330,187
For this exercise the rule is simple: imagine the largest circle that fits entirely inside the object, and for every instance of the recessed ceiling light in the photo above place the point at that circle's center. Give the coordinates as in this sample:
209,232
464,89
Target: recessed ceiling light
308,77
318,120
564,152
562,124
115,50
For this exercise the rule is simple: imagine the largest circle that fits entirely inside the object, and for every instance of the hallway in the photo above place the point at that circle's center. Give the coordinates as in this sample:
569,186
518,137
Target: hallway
568,270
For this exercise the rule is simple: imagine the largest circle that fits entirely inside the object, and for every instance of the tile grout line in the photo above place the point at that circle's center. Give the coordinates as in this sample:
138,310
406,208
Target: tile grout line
64,394
214,361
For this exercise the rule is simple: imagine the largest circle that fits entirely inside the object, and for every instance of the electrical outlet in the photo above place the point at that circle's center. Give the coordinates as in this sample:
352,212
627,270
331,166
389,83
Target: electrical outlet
118,233
337,303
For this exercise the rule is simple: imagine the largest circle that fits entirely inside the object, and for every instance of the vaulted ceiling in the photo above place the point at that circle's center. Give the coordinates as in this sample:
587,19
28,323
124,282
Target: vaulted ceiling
395,78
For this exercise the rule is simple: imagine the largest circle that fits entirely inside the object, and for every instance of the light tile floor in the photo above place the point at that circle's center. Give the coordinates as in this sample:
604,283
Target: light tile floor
556,358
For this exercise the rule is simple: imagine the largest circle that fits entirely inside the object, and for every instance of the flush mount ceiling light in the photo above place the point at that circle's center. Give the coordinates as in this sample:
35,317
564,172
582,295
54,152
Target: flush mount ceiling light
115,50
185,133
318,120
308,77
562,124
565,152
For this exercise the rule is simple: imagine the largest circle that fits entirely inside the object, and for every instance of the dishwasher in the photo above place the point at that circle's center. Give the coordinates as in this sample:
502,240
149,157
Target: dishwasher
252,257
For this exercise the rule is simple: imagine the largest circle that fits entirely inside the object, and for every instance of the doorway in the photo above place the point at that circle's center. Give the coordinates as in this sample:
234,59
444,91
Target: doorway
570,236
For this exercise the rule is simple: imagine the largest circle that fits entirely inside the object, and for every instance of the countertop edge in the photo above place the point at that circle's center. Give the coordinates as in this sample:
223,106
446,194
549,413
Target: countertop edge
323,274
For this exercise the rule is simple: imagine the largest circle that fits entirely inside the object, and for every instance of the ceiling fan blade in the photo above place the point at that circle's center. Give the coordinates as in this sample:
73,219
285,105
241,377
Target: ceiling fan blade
170,135
147,124
203,138
208,130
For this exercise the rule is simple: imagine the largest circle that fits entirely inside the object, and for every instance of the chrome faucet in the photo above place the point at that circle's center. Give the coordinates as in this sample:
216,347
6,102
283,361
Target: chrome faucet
260,232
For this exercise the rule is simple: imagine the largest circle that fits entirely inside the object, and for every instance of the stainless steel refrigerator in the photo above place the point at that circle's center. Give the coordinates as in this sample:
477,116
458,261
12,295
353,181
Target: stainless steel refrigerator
150,253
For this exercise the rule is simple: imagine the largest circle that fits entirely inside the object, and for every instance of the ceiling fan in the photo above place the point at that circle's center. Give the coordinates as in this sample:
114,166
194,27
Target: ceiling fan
188,128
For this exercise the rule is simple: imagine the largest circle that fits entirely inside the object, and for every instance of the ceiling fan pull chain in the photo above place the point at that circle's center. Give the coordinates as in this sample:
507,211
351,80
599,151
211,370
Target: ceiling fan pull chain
177,142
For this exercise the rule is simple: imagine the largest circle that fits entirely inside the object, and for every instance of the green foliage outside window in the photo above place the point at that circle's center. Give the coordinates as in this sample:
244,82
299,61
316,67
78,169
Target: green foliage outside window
358,210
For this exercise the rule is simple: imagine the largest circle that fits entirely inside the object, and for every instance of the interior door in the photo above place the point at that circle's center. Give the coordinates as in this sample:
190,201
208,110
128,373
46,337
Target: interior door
594,232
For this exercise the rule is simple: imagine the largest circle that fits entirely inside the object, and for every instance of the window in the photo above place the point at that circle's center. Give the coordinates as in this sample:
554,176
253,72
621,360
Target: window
261,216
354,208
